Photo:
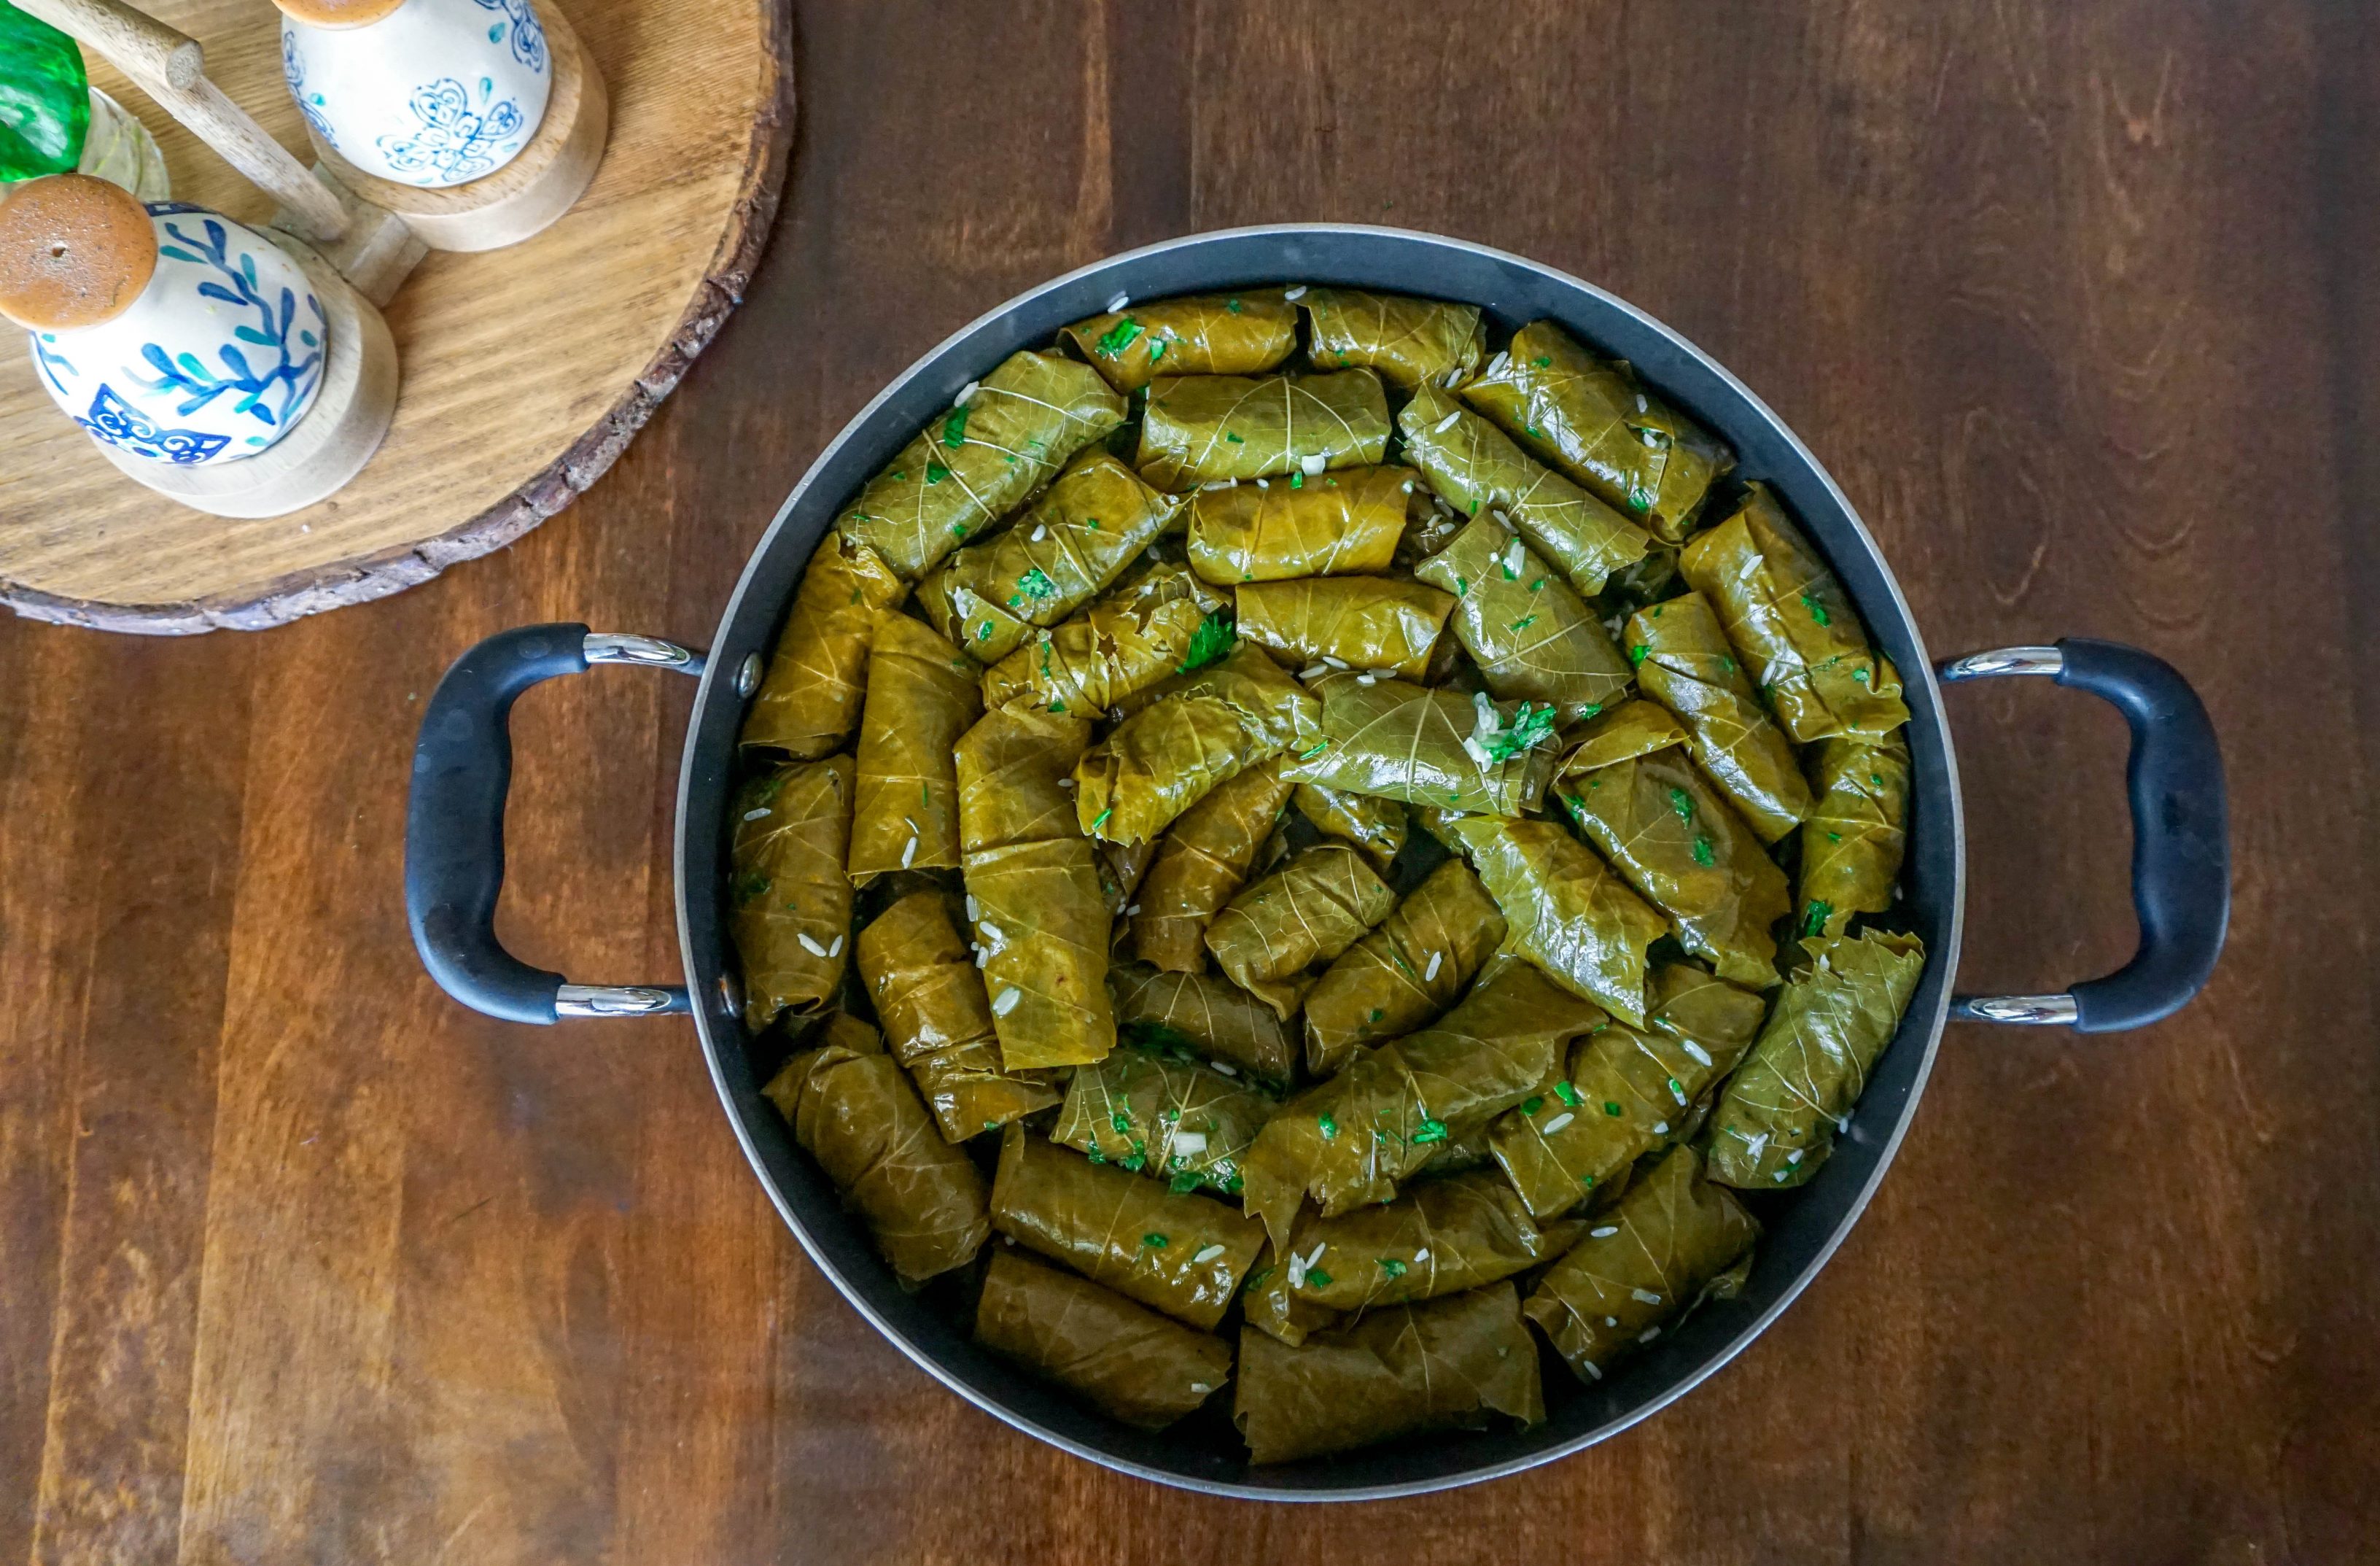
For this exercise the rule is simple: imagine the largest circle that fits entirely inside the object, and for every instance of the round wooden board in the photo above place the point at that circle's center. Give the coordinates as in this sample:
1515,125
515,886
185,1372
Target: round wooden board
526,370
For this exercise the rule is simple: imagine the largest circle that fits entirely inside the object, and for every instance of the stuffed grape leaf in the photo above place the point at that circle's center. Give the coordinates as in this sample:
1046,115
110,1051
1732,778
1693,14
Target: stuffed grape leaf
1139,634
1201,860
1405,973
1684,662
920,976
1532,637
1130,1363
1595,421
1472,465
1440,1237
1033,889
1196,1015
1201,729
1172,1121
1789,617
789,902
973,465
1206,429
1376,825
1778,1118
1174,1251
1243,334
810,698
921,697
1363,622
1674,1239
1343,523
1853,843
1426,745
1317,905
1408,340
1564,910
851,1108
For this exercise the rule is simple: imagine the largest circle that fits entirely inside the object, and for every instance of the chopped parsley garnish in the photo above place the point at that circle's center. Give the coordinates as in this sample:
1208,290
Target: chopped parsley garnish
1637,654
1567,1094
1817,610
1156,349
1183,1183
954,428
1611,1109
1319,1277
1532,1104
1816,920
1543,362
935,472
1703,855
1232,439
1154,1241
1214,637
1101,819
1431,1131
1522,623
1035,584
1329,1127
751,888
1532,725
1232,305
1118,337
1389,1268
1297,481
1684,803
1122,1121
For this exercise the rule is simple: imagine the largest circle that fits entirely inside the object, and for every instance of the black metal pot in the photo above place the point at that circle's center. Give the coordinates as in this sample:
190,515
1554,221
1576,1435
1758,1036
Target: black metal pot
454,846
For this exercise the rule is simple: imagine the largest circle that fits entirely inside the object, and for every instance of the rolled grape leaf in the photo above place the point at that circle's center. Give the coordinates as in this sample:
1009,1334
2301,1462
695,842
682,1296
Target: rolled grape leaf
1794,625
1396,740
1354,1139
921,977
1363,622
1130,1363
1139,634
789,902
1777,1117
1668,1244
851,1108
1196,1015
1441,1237
1641,801
810,697
973,465
1625,1091
1176,1252
1343,523
1032,885
1532,637
1853,843
1407,341
1201,862
1203,429
1170,1119
1593,420
1406,971
1684,662
1477,471
1317,905
1123,866
1462,1150
988,598
1563,909
1446,1364
1201,729
921,697
1377,826
1243,334
1267,1301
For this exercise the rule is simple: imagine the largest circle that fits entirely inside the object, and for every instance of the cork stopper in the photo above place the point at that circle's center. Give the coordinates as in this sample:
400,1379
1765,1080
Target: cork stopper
336,13
74,251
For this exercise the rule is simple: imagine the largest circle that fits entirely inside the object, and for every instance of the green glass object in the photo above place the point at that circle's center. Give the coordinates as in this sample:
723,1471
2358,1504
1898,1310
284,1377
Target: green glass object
44,98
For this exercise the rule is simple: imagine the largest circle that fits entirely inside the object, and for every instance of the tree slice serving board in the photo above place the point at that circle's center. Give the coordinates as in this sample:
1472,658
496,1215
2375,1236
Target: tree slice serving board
525,370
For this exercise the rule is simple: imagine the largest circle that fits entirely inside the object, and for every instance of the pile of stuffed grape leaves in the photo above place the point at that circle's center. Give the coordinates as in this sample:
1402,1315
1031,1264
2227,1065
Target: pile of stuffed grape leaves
1314,842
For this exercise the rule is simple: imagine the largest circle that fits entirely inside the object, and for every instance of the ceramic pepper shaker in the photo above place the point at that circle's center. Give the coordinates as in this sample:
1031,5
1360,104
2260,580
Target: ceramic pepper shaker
167,331
428,93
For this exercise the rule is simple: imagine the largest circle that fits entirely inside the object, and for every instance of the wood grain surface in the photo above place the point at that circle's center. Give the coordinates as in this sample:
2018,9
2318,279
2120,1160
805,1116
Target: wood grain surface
300,1262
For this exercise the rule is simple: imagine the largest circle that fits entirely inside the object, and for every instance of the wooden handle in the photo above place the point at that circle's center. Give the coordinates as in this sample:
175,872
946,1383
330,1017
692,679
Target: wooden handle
141,47
170,67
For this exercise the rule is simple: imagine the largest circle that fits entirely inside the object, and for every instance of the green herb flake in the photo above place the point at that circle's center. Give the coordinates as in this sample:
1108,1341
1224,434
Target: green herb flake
1329,1127
1532,1104
1684,803
1092,1152
1532,725
1431,1131
1232,305
1297,481
753,887
1183,1183
1703,855
1232,439
1215,637
1319,1277
1611,1109
1522,623
1153,1240
1817,610
1122,1123
954,428
1814,922
1035,584
1118,337
1637,654
1156,349
1389,1268
1543,362
1136,1163
1101,819
1375,1015
1567,1094
936,474
1834,837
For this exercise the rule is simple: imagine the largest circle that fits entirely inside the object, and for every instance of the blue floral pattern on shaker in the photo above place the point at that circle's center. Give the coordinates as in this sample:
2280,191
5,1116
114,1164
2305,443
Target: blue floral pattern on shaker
268,391
528,34
293,72
114,421
455,142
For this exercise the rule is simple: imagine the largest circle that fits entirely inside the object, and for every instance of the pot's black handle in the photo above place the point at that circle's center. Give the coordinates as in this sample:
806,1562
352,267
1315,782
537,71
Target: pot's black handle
2181,845
455,825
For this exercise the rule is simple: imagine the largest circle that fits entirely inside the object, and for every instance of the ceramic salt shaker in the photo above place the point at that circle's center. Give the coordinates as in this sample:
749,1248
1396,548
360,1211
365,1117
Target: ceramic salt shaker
167,331
428,93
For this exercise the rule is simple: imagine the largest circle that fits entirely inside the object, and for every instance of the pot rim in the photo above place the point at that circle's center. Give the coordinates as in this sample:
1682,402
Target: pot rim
718,683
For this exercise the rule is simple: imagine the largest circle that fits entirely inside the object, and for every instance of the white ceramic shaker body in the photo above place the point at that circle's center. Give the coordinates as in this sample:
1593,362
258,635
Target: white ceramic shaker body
436,92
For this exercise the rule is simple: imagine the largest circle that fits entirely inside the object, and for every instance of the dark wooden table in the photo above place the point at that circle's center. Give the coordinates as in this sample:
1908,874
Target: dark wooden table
301,1262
